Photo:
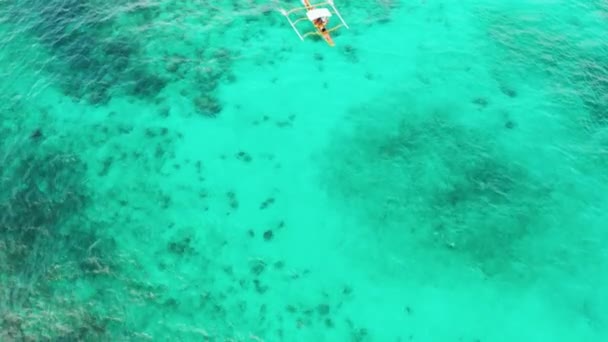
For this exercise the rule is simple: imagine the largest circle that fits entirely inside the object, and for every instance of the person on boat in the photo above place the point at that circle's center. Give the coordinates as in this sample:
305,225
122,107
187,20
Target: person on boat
321,23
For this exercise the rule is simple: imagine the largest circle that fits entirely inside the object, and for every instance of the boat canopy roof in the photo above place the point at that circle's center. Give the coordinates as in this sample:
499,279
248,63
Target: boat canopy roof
318,13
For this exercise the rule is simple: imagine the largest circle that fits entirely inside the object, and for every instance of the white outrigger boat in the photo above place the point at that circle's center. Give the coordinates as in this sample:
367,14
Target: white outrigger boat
318,16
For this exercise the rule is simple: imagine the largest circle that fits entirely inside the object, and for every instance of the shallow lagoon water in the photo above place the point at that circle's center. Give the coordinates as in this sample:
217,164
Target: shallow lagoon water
192,171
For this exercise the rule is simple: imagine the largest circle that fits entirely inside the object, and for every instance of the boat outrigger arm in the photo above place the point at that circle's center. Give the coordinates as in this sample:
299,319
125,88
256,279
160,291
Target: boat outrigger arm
314,13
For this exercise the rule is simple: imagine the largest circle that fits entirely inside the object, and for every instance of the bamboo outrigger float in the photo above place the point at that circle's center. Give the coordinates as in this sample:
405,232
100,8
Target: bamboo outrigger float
318,16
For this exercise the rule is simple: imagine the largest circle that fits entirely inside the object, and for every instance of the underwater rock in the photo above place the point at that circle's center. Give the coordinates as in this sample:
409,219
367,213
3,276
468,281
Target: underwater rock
147,85
181,247
208,106
268,202
350,53
234,203
508,91
481,102
36,134
282,124
257,267
259,288
164,112
172,66
244,156
106,164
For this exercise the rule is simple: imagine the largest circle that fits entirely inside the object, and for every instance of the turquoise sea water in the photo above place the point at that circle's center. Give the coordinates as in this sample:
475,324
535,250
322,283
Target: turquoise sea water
192,171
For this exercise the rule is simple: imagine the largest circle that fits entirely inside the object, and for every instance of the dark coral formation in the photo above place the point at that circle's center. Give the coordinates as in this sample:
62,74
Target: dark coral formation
244,156
465,196
206,101
207,105
90,62
49,191
267,203
350,53
268,235
42,204
232,200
